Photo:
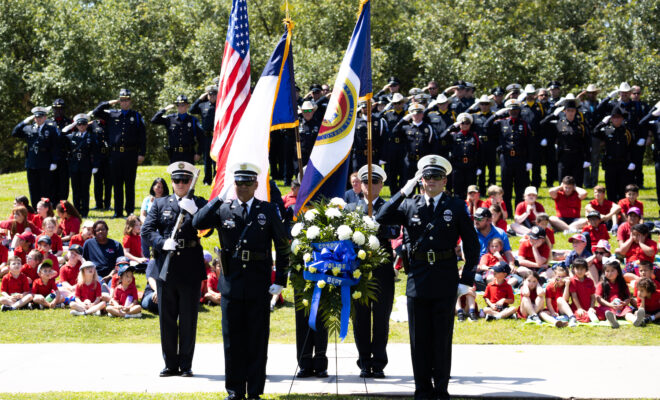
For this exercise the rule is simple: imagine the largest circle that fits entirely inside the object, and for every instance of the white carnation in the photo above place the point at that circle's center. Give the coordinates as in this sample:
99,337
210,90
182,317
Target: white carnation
332,213
358,238
313,232
296,229
337,202
294,246
369,222
344,232
311,214
374,243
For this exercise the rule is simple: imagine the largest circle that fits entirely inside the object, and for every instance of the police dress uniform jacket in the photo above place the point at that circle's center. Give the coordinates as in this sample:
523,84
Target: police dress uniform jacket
125,129
515,140
440,121
619,145
466,151
205,109
41,148
308,131
182,133
359,149
573,139
82,150
419,139
395,147
532,113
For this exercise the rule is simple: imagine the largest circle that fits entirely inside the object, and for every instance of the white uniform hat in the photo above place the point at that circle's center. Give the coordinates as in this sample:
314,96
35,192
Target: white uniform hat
462,117
512,103
415,107
376,173
433,164
624,87
396,98
308,105
442,99
245,172
485,99
529,89
592,88
181,169
39,111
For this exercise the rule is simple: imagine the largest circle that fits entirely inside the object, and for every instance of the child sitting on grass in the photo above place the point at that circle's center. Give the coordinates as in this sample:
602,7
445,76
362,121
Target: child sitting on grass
69,271
490,259
583,292
88,292
532,303
648,300
612,294
50,229
14,287
602,251
212,295
498,219
125,302
132,242
557,296
499,295
645,270
543,220
495,197
29,269
639,246
44,289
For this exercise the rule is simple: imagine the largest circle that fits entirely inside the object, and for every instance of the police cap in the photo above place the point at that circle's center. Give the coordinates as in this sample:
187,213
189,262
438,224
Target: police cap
315,88
181,99
512,104
58,103
124,94
554,85
570,103
513,86
416,108
81,119
39,111
464,117
497,91
212,89
245,172
393,81
376,173
181,169
433,164
619,111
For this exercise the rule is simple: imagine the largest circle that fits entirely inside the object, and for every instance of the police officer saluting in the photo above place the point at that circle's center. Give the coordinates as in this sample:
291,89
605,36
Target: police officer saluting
432,224
103,180
41,152
205,107
83,154
61,174
182,131
371,322
128,144
179,285
418,137
466,154
248,228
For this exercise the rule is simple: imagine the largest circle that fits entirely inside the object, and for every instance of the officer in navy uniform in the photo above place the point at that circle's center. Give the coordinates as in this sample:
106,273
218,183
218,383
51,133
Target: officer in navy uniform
516,150
371,322
432,223
651,124
182,132
61,174
103,180
395,147
482,111
247,228
128,144
179,286
440,117
418,136
83,153
41,152
555,95
308,130
466,154
204,106
533,112
359,149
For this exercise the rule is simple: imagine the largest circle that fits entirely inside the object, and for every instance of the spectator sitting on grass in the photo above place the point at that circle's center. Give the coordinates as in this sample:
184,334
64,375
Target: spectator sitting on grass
633,217
648,300
596,229
45,291
102,251
607,209
495,194
534,254
557,296
568,205
526,211
125,302
543,221
580,249
632,193
583,292
15,289
499,295
612,294
639,246
88,292
602,251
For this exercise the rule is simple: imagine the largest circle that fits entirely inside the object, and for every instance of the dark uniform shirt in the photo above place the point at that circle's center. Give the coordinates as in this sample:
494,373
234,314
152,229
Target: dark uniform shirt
182,131
41,148
82,150
206,110
308,131
101,138
514,137
418,139
573,140
440,121
619,144
466,149
125,129
359,150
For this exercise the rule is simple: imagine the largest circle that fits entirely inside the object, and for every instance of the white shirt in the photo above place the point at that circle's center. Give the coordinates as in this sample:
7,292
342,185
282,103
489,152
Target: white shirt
436,200
249,204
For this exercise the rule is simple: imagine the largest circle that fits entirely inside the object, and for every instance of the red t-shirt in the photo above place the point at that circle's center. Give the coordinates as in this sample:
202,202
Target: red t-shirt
550,234
614,292
289,200
568,206
552,293
525,250
604,208
70,225
38,287
488,259
597,234
77,239
4,254
652,305
635,252
56,263
489,202
114,282
120,294
133,243
598,265
584,290
495,292
38,221
56,243
22,254
501,223
625,206
522,207
212,281
623,233
20,228
88,292
30,272
69,274
11,285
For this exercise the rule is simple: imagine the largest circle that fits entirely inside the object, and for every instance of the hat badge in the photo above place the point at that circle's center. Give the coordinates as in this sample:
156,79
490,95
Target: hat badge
181,165
432,161
244,166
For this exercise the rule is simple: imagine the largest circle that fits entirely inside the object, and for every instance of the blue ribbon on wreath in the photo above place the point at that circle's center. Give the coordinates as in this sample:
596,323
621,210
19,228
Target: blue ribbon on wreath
327,256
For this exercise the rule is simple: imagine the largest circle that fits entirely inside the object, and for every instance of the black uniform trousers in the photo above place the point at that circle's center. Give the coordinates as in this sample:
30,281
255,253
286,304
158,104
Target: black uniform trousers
39,184
80,182
657,181
463,177
245,325
536,167
490,164
187,156
571,165
209,164
178,304
275,154
124,168
396,168
288,155
617,177
514,175
311,345
103,182
371,325
549,154
60,181
431,327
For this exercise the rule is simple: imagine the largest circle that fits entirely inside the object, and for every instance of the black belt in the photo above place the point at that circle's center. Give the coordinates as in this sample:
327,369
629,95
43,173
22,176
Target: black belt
104,150
483,138
123,149
186,244
182,149
433,256
247,255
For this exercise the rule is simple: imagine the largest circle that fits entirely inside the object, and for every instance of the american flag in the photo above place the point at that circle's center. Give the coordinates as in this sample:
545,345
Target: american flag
233,89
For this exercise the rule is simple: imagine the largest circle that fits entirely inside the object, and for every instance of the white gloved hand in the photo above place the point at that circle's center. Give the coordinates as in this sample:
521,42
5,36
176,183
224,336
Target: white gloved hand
631,167
408,117
462,290
381,162
613,93
275,289
502,111
558,110
456,124
28,119
188,205
528,166
53,167
169,245
478,171
49,108
544,142
641,142
586,164
95,170
68,127
410,186
606,119
656,112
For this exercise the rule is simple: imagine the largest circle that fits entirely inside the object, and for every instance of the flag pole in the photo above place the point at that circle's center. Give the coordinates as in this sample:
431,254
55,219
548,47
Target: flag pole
289,24
369,160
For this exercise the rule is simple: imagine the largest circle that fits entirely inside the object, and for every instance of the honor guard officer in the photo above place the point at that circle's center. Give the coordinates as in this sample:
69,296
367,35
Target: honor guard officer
651,124
103,177
393,86
182,132
466,154
515,147
418,137
497,94
128,144
204,106
359,150
371,322
432,225
532,112
308,130
41,152
555,94
61,174
487,142
441,117
179,285
247,228
83,153
395,148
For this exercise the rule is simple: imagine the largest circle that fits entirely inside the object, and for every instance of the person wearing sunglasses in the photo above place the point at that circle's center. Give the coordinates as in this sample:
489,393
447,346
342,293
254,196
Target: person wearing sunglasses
179,287
432,223
247,228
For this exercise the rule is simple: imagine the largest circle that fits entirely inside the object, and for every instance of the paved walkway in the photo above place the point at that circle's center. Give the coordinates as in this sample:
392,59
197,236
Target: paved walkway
520,371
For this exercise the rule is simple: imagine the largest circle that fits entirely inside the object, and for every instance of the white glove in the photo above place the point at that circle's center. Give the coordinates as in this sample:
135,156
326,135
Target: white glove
408,117
586,164
410,186
502,111
641,142
522,97
528,166
95,170
656,112
558,110
462,290
275,289
606,119
188,205
381,162
68,127
49,108
631,167
169,245
456,124
613,93
478,171
544,142
53,167
28,119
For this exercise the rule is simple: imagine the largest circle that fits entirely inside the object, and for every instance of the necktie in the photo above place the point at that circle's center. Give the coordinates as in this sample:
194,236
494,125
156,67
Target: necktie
244,213
431,204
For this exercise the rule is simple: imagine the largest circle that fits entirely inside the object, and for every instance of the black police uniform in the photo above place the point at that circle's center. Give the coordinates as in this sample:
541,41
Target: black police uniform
103,177
359,149
466,158
127,140
394,150
61,174
430,236
41,151
182,132
573,145
371,322
311,346
588,109
244,282
533,113
206,110
488,144
308,131
651,124
419,140
516,149
178,295
619,147
83,155
440,121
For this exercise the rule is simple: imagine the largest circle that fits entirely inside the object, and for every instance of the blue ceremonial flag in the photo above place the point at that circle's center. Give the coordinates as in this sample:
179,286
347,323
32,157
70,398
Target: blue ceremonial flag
327,170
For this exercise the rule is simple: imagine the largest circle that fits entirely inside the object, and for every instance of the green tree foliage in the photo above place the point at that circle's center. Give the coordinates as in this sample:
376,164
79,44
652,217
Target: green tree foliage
85,50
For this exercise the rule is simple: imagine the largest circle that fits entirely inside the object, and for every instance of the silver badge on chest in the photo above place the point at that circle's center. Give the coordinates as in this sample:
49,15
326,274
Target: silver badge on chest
261,219
447,215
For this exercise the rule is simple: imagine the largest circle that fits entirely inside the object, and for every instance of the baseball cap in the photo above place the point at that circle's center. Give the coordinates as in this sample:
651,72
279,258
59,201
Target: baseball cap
635,210
473,188
27,236
124,268
593,214
45,239
536,232
531,190
76,248
577,236
482,213
605,245
45,263
122,260
501,267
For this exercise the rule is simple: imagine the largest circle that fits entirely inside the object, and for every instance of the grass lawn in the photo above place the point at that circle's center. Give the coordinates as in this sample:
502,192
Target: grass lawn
58,326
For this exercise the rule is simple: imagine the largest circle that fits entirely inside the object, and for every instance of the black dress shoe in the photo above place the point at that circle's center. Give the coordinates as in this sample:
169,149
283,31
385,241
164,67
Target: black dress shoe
118,216
234,397
366,373
187,373
305,373
169,372
378,374
321,374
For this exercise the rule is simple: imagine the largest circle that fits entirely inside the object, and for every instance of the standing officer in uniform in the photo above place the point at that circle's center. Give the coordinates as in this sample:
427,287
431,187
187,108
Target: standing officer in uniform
205,107
359,150
308,130
532,112
588,103
487,143
466,154
83,153
651,124
433,223
103,177
41,152
247,228
179,286
555,95
441,117
371,322
395,148
128,144
61,174
182,132
516,150
418,138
